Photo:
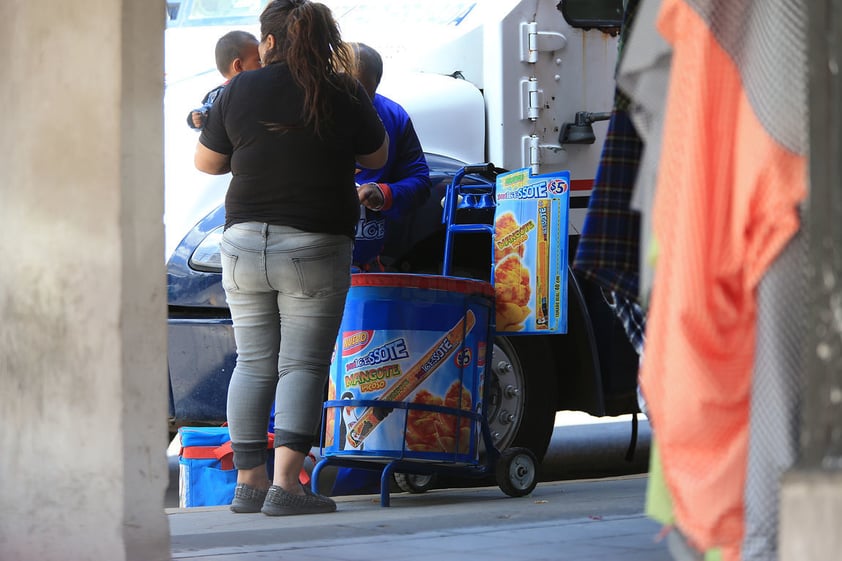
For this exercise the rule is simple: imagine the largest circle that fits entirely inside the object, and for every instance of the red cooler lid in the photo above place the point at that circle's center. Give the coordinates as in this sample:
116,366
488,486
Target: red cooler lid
429,282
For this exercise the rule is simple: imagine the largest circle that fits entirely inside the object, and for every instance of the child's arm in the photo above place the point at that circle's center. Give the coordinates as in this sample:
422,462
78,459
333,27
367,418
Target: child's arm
196,118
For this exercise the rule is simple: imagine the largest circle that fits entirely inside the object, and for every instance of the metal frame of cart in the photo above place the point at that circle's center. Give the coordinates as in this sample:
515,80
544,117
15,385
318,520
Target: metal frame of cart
515,469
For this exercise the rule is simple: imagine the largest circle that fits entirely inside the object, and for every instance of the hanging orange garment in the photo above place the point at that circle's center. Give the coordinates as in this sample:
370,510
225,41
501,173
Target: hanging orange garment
725,205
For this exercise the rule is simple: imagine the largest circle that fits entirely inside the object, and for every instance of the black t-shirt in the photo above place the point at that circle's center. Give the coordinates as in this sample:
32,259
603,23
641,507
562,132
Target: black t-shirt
291,177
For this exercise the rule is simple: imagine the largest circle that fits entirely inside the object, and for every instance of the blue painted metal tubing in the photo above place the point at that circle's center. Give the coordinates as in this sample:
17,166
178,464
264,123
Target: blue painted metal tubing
480,197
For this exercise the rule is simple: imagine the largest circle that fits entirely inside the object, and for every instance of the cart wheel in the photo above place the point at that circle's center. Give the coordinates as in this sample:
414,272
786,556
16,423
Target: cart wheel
414,483
517,471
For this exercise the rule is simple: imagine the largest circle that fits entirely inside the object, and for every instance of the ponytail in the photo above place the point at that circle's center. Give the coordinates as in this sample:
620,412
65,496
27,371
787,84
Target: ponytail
307,38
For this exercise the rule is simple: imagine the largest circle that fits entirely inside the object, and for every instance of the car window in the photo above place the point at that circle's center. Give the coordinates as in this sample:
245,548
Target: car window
399,28
213,12
392,27
223,12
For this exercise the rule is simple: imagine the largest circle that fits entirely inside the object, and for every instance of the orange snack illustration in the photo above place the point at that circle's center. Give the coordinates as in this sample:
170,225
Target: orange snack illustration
512,288
435,356
432,431
505,227
511,277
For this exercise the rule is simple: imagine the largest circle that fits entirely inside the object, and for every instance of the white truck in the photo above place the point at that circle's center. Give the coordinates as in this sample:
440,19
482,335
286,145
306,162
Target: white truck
515,83
524,84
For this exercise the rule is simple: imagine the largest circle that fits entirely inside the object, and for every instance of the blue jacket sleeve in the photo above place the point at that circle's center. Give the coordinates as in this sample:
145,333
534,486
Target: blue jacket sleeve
409,176
406,173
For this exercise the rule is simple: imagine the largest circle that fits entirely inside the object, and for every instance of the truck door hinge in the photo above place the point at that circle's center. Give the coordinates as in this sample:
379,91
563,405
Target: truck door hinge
536,154
532,99
532,154
533,41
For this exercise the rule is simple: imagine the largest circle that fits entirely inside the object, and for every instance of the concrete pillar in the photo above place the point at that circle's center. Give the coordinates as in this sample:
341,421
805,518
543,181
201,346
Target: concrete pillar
811,493
811,511
83,397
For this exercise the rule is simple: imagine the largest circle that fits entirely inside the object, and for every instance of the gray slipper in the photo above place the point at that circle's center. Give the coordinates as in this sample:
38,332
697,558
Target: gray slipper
280,503
247,498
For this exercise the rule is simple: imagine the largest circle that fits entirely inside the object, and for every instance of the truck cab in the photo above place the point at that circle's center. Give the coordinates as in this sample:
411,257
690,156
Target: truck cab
524,84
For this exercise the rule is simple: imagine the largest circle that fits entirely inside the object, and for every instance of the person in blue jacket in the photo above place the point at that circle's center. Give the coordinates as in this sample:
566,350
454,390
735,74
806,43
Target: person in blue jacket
387,195
393,192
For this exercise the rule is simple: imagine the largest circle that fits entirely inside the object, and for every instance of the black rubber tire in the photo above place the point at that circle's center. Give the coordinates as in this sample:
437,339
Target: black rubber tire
516,471
531,371
414,483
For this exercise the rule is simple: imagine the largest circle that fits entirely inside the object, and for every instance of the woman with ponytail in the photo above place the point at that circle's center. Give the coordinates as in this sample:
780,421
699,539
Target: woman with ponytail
292,134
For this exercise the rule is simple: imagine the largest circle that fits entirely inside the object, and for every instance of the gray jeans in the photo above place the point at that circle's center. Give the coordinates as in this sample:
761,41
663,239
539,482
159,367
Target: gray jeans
286,289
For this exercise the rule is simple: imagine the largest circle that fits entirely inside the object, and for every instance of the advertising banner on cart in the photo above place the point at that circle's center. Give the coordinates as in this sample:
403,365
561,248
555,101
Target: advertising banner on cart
530,252
406,381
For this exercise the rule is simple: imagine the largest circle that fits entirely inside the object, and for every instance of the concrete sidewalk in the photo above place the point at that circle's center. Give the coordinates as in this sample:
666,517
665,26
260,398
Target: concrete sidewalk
593,520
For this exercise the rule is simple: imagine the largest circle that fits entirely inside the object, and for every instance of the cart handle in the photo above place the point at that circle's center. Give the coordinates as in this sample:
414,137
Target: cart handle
451,199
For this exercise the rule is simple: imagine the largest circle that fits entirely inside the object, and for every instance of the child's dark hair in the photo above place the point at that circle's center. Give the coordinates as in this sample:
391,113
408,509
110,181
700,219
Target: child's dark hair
307,39
230,46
